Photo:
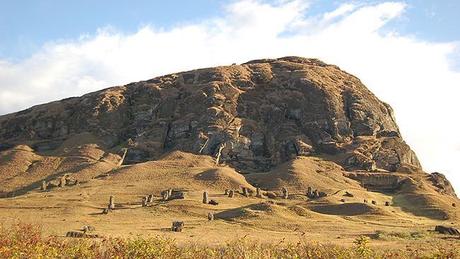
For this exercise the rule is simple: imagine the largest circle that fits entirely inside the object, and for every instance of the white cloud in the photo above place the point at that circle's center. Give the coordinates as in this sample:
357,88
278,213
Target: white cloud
412,75
339,12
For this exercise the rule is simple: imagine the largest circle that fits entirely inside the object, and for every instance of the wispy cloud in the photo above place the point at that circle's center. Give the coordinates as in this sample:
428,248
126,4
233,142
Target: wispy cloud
411,74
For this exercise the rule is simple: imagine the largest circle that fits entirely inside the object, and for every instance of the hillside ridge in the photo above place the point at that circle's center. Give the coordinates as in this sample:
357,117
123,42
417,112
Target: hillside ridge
253,116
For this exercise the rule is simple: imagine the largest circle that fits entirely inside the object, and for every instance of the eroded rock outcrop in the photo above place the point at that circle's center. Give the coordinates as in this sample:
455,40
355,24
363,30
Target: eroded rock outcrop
252,116
379,181
441,183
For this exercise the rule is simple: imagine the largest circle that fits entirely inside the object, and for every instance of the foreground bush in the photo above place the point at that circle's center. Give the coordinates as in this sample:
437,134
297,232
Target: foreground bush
26,241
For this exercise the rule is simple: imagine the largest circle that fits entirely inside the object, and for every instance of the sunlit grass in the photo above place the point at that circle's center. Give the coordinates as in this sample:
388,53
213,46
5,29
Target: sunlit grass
27,241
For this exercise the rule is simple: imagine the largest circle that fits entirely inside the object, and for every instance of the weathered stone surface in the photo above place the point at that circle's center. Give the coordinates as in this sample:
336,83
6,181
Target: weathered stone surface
285,193
252,116
44,186
165,195
244,191
258,193
441,183
213,202
348,194
315,194
176,194
78,234
378,181
205,198
447,230
88,228
111,205
150,198
177,226
270,195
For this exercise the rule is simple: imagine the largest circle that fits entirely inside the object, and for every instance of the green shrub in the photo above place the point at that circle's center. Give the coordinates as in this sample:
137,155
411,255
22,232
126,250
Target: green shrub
391,236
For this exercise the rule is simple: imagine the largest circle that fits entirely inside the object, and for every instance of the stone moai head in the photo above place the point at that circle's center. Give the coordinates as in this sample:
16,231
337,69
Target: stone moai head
245,191
205,197
62,181
165,195
258,193
111,203
44,186
285,192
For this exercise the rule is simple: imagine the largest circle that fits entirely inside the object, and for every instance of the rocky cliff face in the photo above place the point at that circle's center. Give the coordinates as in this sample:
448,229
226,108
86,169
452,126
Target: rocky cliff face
252,116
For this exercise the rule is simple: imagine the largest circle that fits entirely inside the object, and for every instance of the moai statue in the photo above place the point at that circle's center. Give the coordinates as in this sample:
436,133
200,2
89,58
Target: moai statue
365,201
245,191
285,192
111,203
231,193
177,195
374,202
177,226
210,216
88,228
125,151
309,193
213,202
387,203
44,186
144,201
219,153
76,234
205,197
62,181
226,191
270,195
150,198
315,194
258,193
348,194
165,195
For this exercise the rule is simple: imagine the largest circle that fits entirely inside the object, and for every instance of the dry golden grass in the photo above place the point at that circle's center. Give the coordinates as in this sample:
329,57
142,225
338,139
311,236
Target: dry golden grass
267,226
27,241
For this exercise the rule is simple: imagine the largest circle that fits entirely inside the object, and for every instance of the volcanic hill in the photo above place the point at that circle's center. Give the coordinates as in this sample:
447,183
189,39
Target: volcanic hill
290,122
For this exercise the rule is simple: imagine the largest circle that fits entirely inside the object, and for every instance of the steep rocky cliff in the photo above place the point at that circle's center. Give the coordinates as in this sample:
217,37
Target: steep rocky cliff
252,116
291,123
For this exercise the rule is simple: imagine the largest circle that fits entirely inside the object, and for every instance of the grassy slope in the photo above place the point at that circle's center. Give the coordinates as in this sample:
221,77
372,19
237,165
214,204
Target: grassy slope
326,220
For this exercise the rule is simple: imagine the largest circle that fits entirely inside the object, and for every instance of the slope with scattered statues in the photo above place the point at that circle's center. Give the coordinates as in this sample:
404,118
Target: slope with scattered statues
273,149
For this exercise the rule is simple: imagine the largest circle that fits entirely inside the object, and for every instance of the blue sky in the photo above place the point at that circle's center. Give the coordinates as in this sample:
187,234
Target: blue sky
406,52
26,25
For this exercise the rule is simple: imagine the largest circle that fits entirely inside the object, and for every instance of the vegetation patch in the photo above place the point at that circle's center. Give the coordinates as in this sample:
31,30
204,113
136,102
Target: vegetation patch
391,236
27,241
